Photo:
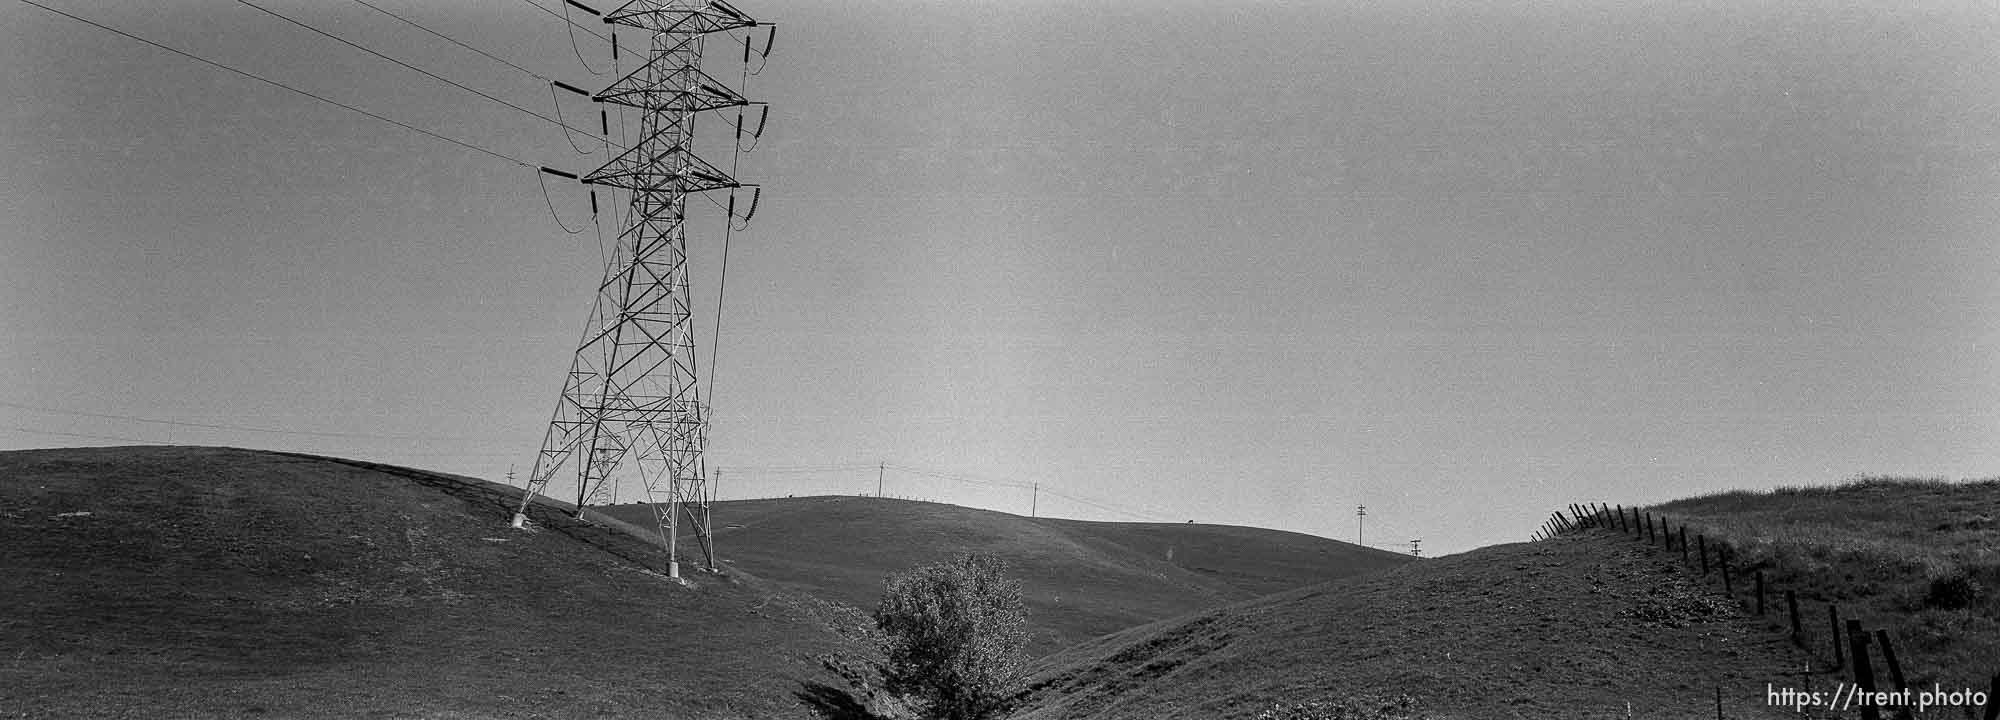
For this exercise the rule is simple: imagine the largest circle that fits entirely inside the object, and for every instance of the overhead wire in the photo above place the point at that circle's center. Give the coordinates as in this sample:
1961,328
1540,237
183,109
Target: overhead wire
239,428
274,83
544,183
728,228
571,26
556,101
564,16
426,73
449,39
83,435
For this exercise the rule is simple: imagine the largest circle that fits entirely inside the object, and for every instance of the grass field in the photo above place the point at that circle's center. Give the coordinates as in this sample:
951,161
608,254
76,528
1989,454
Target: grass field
212,582
1081,579
204,582
1577,627
1919,558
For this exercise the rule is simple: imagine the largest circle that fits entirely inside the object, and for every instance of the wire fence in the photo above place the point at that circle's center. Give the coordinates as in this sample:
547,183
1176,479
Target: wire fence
1863,666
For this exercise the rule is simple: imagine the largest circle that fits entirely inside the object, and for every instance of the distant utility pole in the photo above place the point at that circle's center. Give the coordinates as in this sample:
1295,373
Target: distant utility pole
1360,516
1034,500
1414,550
880,470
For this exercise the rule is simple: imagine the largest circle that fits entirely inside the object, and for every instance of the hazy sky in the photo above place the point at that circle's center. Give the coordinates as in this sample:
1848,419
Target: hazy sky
1250,263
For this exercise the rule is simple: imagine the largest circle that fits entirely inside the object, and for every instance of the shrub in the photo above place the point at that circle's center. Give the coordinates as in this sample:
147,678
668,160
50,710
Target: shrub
1953,590
954,634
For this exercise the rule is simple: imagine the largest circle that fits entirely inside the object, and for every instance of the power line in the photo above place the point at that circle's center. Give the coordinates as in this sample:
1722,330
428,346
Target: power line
427,73
274,83
449,39
239,428
565,18
87,436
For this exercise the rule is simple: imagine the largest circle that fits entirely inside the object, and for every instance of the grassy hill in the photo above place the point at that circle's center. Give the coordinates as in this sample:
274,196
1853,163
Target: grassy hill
205,582
1081,579
1919,558
1578,626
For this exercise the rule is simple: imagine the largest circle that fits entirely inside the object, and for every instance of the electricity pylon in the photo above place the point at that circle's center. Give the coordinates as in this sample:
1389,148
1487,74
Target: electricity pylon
631,406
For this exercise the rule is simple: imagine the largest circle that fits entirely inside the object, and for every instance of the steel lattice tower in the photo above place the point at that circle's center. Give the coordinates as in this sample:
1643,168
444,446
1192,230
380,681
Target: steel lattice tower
631,404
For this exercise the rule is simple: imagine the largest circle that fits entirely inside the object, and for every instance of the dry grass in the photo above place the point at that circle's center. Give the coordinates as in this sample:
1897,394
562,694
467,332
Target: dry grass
1578,627
1919,558
1081,579
208,582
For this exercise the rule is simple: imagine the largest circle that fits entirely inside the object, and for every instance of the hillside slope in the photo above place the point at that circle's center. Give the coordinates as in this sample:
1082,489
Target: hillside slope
203,582
1579,626
1919,559
1081,579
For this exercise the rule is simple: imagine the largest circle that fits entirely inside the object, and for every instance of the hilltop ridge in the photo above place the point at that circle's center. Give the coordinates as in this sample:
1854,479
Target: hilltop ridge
200,582
1081,579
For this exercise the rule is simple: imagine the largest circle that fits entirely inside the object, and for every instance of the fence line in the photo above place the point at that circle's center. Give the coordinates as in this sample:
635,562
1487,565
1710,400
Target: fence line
1855,657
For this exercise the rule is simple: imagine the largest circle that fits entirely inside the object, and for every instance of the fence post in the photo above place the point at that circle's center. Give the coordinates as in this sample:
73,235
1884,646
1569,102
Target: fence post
1833,618
1864,675
1702,540
1684,543
1652,538
1993,700
1792,606
1722,551
1666,534
1621,518
1895,673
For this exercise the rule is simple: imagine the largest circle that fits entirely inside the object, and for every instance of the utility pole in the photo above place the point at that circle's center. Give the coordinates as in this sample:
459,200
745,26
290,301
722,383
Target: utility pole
880,470
1414,550
1034,500
631,406
1360,515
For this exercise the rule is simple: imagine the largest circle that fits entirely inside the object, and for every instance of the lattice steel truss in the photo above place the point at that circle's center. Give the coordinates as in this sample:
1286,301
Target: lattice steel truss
631,404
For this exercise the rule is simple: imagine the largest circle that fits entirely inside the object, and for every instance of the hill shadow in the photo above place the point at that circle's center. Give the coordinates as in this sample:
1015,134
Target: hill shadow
833,703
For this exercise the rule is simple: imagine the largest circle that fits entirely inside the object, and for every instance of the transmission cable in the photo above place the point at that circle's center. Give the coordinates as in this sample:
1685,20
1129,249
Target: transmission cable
274,83
571,27
84,435
449,39
556,101
552,205
427,73
563,16
211,426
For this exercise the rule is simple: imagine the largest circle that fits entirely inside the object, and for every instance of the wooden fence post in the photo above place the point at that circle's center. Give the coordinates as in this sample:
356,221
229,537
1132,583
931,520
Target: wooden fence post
1684,543
1702,541
1993,700
1833,618
1895,673
1864,675
1621,518
1722,552
1666,535
1651,537
1792,606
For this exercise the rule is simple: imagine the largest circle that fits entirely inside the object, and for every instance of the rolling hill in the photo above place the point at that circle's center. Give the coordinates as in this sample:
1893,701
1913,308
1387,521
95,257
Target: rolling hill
149,582
1579,626
1919,559
1081,579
